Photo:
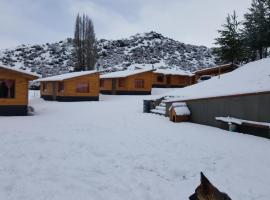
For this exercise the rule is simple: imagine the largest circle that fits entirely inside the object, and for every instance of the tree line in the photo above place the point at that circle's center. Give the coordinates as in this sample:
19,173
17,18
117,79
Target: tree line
246,40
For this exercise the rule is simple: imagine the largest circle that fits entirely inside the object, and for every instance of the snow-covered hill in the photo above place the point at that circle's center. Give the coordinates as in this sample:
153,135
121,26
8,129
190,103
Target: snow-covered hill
139,50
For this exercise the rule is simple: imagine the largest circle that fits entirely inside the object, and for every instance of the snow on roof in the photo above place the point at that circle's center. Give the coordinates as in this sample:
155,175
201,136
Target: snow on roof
20,71
253,77
67,76
123,74
173,72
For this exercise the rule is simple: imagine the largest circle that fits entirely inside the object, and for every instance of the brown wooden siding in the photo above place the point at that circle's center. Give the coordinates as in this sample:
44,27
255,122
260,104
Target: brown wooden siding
70,86
215,71
175,80
129,83
107,84
148,81
21,88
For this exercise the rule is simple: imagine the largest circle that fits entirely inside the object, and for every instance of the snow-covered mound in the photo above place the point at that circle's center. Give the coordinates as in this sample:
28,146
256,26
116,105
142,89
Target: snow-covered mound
250,78
139,50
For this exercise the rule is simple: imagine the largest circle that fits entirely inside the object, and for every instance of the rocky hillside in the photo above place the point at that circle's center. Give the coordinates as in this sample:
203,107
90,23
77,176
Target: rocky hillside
141,50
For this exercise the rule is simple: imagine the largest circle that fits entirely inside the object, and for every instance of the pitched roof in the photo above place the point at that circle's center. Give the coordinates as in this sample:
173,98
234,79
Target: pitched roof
23,72
173,72
123,74
67,76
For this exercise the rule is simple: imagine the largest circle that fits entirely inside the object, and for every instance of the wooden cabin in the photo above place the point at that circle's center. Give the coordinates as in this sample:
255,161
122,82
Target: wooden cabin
179,112
169,78
14,91
75,86
128,82
214,71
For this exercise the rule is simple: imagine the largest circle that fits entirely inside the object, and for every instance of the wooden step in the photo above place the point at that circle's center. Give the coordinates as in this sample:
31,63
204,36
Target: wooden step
160,112
160,108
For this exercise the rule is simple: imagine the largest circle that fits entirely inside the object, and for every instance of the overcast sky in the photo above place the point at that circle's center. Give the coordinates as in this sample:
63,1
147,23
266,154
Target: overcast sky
40,21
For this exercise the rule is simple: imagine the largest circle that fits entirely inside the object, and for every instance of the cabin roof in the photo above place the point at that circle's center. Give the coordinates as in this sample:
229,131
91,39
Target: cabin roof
66,76
225,66
173,72
180,109
27,74
123,74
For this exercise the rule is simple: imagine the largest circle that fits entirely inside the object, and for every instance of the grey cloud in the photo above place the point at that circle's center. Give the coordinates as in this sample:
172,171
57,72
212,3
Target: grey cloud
189,21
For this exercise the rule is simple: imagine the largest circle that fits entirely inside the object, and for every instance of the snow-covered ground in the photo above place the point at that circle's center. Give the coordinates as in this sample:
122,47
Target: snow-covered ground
111,150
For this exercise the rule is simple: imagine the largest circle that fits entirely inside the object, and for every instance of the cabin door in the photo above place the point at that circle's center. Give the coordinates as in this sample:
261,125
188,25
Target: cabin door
54,91
114,86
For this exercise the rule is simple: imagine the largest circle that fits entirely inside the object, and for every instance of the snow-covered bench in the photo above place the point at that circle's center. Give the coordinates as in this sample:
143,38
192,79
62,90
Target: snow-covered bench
234,122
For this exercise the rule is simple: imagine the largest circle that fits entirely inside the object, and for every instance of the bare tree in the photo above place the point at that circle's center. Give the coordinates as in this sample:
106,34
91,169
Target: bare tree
85,50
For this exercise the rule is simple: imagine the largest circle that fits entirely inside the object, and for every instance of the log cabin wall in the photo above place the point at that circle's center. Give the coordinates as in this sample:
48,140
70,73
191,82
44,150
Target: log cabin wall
46,88
70,86
107,84
176,81
159,80
148,81
21,88
126,85
180,81
67,90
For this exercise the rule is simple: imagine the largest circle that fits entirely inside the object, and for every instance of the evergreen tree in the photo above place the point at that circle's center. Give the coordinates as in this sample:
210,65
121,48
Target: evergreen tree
229,42
85,51
257,30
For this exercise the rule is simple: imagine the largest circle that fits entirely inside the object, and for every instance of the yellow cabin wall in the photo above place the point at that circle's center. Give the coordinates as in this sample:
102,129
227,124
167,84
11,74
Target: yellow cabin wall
148,81
70,86
176,80
155,77
21,88
130,83
107,84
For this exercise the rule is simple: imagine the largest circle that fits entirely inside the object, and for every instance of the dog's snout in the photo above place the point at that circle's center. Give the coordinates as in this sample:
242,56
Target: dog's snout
193,197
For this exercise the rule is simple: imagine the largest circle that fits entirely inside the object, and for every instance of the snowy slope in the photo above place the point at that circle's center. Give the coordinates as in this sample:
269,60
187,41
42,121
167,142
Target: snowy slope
252,77
111,150
138,50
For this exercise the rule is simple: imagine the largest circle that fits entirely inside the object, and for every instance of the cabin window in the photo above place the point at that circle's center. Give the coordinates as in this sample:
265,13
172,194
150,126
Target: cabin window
7,88
121,83
160,78
82,88
102,83
139,83
44,87
61,87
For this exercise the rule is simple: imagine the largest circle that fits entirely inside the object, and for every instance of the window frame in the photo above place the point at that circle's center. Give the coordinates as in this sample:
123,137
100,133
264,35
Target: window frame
11,92
83,90
139,83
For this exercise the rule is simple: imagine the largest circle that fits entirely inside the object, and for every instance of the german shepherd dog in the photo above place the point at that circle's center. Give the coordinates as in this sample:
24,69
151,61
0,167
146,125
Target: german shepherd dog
207,191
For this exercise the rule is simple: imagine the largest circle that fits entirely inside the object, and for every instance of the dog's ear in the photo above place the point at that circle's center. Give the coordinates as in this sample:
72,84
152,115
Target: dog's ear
207,186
